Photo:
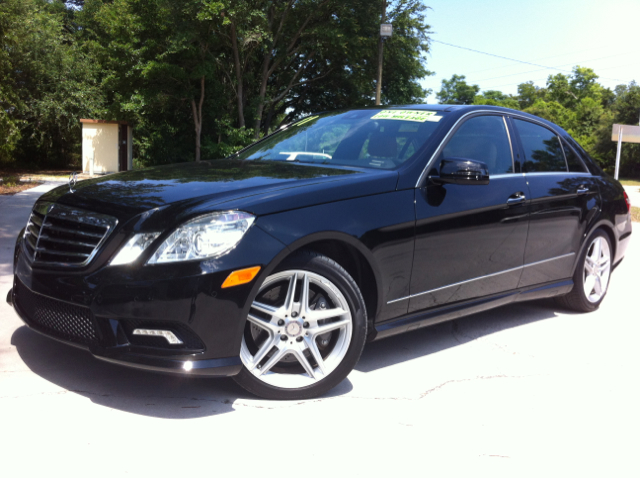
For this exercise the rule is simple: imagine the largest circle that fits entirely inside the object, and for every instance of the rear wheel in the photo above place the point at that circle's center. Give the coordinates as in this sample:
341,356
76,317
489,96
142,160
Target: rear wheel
305,330
591,278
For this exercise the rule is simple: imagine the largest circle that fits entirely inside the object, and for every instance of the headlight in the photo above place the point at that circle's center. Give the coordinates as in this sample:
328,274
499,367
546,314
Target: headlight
134,248
204,237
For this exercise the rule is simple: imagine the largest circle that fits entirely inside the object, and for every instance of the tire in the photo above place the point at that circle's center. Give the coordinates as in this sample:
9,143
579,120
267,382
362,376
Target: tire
305,330
592,274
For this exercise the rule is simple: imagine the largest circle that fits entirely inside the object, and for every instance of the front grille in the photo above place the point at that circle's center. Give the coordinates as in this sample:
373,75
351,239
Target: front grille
57,318
65,236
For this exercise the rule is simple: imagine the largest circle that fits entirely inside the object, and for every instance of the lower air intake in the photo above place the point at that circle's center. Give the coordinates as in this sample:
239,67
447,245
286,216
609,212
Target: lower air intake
56,318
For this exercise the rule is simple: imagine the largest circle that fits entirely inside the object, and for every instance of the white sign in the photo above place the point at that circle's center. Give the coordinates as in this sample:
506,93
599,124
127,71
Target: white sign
386,29
623,134
630,133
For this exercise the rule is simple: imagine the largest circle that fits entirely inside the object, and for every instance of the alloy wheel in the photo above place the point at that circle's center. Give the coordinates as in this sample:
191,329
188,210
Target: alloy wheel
597,268
298,331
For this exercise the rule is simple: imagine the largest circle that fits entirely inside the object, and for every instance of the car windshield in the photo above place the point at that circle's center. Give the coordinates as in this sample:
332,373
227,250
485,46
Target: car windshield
364,138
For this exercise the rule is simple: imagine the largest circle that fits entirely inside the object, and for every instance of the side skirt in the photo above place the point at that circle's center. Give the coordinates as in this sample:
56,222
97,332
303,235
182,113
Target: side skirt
422,319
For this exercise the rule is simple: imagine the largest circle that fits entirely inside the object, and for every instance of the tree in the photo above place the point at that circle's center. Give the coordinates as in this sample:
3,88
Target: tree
496,98
625,110
191,75
528,94
456,91
48,81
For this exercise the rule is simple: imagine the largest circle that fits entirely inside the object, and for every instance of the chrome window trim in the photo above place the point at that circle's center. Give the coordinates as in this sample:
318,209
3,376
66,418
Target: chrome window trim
505,175
513,159
564,155
558,173
510,270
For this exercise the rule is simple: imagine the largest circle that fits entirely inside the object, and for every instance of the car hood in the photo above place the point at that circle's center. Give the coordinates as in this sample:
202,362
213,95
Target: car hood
209,183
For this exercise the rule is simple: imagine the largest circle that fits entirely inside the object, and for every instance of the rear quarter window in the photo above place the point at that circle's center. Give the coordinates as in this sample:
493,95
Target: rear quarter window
573,160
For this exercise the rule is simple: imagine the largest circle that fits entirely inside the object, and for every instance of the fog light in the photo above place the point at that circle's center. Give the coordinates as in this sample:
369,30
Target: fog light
168,335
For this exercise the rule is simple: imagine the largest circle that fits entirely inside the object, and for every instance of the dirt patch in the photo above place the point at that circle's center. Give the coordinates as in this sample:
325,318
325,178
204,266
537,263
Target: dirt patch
635,214
10,185
40,175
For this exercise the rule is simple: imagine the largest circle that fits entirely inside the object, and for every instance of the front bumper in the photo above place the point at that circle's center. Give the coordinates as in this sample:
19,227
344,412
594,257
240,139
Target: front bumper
134,356
98,311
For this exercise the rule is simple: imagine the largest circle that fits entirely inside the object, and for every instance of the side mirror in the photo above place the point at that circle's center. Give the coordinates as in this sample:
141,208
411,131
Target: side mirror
462,171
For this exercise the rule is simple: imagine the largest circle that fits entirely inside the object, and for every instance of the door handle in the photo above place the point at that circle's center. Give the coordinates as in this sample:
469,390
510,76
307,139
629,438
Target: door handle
582,190
516,198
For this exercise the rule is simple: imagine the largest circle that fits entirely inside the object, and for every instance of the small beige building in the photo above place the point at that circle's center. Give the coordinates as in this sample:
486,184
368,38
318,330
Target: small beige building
107,146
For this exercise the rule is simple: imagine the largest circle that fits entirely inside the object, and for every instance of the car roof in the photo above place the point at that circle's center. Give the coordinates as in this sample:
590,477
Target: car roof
462,109
459,110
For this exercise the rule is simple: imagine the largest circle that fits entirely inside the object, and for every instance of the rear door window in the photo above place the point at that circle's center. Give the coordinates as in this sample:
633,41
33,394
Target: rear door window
541,147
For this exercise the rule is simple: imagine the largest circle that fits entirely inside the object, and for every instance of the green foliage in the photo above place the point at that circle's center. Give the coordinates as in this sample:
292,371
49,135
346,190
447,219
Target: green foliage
625,110
10,181
457,91
576,102
48,81
528,94
192,75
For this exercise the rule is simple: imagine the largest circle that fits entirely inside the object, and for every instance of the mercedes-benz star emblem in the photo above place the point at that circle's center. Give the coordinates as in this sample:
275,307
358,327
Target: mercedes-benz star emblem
73,179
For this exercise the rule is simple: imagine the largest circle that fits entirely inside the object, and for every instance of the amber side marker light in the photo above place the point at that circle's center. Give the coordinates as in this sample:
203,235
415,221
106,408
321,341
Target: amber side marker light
241,276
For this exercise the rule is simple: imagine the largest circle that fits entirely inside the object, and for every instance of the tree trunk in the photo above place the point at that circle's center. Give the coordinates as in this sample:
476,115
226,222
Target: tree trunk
268,120
238,68
263,91
197,117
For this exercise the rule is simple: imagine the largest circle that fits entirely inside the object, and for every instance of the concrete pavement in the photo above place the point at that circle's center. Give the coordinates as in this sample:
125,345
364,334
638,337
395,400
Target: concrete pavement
524,390
634,194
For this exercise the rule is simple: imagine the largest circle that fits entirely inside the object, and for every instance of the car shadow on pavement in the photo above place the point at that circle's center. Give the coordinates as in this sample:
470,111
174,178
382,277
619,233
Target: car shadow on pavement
135,391
177,397
422,342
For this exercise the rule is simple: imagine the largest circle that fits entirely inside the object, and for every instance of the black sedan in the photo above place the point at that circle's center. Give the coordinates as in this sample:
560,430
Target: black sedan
276,265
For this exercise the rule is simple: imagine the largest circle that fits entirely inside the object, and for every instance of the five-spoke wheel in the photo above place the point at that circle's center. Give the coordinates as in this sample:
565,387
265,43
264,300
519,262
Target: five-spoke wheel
305,330
597,267
591,277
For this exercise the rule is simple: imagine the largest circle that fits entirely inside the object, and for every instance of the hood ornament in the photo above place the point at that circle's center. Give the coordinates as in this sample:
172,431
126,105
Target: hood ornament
73,179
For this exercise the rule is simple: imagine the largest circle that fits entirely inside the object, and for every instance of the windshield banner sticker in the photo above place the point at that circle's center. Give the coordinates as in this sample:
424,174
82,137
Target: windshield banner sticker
406,115
307,120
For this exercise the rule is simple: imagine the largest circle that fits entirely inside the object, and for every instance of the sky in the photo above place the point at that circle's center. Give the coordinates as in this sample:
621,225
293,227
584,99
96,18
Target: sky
603,35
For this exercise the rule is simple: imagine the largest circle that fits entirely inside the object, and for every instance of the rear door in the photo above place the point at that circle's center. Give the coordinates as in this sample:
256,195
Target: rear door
562,195
470,239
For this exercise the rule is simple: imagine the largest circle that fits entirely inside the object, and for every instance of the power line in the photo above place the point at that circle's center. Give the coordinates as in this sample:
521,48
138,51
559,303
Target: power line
564,64
543,58
517,61
542,79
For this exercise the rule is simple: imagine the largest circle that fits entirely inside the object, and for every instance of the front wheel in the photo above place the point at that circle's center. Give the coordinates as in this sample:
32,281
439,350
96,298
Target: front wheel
591,278
305,330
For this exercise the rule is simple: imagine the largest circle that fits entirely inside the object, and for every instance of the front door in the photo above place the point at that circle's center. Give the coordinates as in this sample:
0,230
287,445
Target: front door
470,239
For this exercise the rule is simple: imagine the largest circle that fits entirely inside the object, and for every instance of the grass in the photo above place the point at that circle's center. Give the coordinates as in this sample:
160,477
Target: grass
11,185
629,182
635,214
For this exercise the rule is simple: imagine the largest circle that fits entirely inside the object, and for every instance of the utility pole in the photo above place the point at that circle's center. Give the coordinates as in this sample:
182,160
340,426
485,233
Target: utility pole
385,32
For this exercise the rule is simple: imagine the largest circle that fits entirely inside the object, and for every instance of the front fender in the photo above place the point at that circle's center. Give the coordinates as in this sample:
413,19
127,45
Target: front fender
380,227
